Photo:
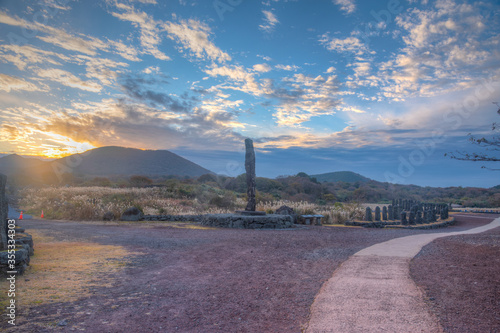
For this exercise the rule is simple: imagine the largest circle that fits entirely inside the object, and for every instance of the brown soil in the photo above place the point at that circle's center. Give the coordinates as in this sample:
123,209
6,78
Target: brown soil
181,278
461,279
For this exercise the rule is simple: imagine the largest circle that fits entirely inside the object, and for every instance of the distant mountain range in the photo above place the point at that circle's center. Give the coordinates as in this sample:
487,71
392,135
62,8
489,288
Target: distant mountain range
105,161
341,176
125,162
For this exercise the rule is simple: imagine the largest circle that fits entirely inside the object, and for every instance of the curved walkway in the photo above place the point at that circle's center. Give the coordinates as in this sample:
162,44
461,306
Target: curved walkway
373,290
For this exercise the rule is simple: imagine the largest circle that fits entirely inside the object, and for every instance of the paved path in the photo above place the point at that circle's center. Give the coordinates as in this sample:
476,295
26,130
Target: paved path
14,214
373,290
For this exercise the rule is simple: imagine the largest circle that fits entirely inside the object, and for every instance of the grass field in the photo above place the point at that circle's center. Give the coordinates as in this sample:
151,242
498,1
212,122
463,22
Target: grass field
91,203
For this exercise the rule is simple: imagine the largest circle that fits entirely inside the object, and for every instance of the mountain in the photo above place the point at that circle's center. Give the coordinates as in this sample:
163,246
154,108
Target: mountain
108,161
105,161
15,164
341,176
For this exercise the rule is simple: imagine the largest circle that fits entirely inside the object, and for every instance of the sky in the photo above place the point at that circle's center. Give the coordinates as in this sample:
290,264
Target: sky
382,88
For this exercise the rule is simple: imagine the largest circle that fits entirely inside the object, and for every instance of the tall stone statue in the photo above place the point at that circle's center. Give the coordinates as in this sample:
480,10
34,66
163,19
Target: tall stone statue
250,170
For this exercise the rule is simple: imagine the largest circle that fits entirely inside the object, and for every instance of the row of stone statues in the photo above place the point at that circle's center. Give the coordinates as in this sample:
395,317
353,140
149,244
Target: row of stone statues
408,212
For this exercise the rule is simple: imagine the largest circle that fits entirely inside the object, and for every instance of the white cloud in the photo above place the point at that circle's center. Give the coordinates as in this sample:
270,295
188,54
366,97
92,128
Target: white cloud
447,48
263,68
350,108
305,97
287,67
69,80
152,69
194,36
125,51
362,68
270,21
22,56
330,70
348,44
150,33
347,6
244,80
11,83
88,45
266,58
105,70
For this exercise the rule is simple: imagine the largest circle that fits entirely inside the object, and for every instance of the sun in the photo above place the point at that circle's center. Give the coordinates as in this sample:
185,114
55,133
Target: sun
60,152
57,146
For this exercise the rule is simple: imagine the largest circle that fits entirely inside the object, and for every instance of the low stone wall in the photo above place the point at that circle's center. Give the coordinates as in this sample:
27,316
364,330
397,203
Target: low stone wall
397,224
378,224
271,221
173,218
24,249
435,225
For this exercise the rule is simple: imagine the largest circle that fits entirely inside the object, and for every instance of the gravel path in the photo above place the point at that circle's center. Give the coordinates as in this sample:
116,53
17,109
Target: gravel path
189,280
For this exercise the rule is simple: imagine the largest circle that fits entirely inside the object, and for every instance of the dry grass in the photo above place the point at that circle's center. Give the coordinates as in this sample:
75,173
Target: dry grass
90,204
333,214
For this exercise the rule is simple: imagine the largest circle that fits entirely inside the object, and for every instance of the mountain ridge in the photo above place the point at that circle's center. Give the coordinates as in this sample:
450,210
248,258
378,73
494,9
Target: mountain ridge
341,176
105,161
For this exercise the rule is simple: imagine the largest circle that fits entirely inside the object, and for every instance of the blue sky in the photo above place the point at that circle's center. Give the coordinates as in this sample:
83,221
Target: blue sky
383,88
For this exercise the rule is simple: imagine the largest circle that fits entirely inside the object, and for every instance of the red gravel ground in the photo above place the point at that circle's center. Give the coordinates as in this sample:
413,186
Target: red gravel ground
461,278
223,280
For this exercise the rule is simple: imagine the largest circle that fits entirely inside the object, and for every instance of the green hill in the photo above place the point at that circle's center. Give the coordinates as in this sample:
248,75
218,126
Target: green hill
340,176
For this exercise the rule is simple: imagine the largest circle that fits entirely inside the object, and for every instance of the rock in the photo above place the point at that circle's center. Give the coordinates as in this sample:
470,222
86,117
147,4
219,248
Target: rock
132,214
108,216
285,210
63,322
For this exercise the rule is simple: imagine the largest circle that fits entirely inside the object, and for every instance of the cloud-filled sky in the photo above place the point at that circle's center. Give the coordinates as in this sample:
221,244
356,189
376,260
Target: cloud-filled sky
383,88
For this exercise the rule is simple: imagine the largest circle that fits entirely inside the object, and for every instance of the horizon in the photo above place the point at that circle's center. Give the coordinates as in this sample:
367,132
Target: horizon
232,165
383,89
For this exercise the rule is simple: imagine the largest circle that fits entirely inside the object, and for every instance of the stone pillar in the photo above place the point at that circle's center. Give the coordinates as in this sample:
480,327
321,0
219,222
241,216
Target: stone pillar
4,211
419,217
384,213
412,217
404,221
250,170
397,212
390,212
368,214
377,213
445,212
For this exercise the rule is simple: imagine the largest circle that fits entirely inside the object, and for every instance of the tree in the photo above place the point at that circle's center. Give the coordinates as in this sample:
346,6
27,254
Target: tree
490,145
140,181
